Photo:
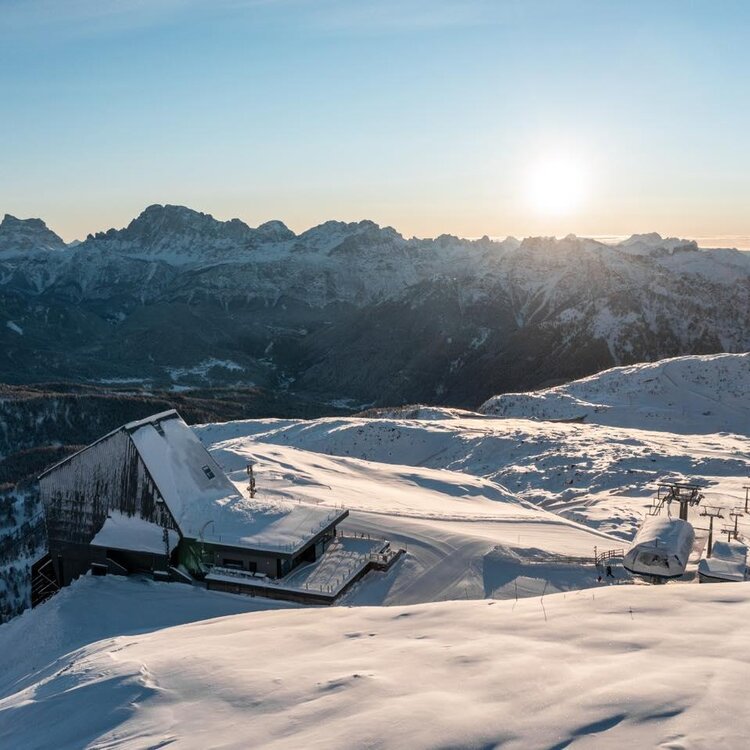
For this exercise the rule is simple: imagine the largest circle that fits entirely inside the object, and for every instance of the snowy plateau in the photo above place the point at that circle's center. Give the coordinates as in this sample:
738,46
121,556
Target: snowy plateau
490,632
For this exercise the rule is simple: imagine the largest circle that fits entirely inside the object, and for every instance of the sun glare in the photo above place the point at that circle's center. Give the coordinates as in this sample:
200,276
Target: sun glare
556,185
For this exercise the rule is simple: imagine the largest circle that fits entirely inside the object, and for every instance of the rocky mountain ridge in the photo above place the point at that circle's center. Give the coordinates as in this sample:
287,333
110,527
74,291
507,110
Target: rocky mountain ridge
354,311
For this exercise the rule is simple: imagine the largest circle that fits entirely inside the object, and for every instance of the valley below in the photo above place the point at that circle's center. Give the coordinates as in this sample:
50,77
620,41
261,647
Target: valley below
352,314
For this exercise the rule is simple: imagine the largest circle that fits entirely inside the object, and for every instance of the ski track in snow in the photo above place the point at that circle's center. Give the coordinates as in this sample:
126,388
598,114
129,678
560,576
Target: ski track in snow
516,496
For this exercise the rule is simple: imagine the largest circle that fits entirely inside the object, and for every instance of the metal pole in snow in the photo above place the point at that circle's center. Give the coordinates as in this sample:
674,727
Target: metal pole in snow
736,513
711,513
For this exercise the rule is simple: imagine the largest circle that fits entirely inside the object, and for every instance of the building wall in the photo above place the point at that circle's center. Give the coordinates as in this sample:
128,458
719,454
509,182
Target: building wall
193,552
268,592
78,495
212,554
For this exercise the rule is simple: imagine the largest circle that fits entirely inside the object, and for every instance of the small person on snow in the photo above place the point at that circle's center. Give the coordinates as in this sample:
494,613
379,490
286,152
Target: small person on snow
609,572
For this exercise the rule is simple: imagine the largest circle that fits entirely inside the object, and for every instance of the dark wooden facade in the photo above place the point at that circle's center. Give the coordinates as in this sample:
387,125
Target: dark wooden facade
112,476
78,493
274,564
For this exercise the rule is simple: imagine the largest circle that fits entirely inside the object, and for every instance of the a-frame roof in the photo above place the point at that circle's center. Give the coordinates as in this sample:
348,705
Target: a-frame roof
192,484
203,501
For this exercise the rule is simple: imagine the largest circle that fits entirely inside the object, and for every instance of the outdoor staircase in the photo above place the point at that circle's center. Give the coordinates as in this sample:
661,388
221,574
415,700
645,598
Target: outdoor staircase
43,581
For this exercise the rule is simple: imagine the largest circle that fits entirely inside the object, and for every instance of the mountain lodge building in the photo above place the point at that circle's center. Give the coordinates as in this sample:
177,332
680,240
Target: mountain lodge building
148,497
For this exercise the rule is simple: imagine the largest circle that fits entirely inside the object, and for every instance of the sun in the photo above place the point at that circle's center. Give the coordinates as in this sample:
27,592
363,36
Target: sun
556,185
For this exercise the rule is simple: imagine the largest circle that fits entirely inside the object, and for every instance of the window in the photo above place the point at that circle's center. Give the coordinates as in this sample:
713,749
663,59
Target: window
229,563
207,471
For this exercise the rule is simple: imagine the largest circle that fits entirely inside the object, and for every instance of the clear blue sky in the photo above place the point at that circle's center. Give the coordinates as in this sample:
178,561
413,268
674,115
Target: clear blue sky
428,115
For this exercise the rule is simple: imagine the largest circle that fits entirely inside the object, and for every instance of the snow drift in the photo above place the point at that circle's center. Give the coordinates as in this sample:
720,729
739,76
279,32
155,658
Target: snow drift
609,668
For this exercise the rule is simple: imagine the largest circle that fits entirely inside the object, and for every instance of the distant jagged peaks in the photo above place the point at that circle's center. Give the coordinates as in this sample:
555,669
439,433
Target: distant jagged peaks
276,231
334,228
356,310
177,234
654,242
27,235
157,221
348,238
649,238
546,245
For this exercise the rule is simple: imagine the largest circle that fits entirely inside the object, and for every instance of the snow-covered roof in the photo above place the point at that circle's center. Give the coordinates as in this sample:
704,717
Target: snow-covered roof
188,478
134,534
269,528
728,562
153,419
204,502
661,547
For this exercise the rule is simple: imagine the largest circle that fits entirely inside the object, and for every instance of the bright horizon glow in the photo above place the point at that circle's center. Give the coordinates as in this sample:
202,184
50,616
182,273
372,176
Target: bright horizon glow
556,185
426,115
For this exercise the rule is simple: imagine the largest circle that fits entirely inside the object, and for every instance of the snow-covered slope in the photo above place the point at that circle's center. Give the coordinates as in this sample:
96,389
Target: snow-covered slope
621,667
697,394
481,500
597,475
498,633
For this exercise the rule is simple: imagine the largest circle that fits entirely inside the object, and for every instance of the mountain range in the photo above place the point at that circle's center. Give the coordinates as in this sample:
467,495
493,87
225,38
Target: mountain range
353,313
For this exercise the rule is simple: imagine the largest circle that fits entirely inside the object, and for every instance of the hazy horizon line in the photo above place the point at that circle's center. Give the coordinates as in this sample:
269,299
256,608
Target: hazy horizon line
707,242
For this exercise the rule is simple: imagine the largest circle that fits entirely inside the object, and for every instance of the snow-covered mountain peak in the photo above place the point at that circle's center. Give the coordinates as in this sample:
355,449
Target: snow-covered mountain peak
276,231
178,235
550,251
21,236
156,221
548,244
652,243
344,237
509,243
651,239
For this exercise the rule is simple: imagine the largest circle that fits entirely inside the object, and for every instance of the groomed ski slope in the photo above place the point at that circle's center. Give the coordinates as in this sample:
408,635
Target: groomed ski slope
486,506
600,476
617,667
466,536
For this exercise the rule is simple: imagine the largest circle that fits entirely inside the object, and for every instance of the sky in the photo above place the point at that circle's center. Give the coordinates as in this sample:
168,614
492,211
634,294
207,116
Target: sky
471,117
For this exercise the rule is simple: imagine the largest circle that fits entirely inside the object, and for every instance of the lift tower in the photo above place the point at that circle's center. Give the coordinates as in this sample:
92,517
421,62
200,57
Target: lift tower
687,495
712,512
